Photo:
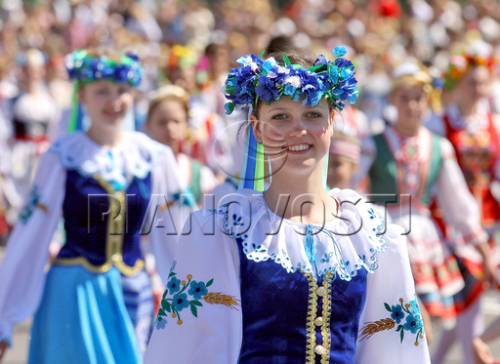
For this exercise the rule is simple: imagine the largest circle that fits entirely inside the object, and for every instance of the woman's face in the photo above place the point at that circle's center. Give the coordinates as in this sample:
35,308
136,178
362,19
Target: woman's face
168,122
107,103
296,138
340,171
411,102
475,84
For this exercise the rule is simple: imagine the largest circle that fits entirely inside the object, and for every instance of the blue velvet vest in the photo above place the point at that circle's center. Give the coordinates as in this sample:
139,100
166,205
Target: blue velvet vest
292,318
102,225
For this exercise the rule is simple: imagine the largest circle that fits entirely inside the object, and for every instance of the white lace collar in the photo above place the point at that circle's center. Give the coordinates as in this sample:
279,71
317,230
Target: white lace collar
133,157
344,246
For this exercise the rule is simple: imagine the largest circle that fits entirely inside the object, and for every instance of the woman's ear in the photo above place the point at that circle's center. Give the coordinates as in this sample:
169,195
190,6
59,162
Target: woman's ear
331,120
256,126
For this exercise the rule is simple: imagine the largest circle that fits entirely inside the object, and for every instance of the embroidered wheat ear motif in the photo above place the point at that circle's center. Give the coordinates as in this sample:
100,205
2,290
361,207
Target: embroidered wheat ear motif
215,298
43,207
372,328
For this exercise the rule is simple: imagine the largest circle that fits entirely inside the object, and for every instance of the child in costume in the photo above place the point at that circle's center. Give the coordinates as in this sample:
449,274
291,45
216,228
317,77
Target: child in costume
407,166
167,122
96,297
308,277
473,129
344,159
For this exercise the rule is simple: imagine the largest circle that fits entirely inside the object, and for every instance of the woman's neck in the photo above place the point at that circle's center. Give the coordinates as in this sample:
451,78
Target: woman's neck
109,136
306,199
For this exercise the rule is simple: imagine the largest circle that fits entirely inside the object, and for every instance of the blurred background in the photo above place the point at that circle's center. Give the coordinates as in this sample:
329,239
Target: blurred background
194,44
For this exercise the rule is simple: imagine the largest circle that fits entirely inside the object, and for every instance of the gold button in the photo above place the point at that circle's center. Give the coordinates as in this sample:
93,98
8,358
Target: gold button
321,291
318,321
116,258
320,350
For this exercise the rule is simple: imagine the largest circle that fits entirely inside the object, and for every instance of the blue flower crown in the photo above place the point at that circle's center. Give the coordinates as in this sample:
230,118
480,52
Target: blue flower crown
264,79
85,67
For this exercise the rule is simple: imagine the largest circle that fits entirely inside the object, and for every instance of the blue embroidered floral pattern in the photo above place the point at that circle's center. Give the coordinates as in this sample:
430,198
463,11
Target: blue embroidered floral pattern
405,317
180,295
34,202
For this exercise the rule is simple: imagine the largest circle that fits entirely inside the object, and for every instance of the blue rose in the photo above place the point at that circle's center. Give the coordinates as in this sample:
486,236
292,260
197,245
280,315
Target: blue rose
174,285
397,313
266,90
339,51
180,302
197,289
413,323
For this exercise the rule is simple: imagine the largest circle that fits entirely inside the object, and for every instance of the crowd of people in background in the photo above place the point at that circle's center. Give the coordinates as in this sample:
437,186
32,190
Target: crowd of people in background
422,65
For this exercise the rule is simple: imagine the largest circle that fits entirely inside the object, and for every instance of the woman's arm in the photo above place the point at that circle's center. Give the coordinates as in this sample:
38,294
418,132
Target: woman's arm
460,209
22,274
391,325
199,320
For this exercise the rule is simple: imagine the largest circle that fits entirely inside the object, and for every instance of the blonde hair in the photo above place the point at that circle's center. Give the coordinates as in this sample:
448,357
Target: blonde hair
168,93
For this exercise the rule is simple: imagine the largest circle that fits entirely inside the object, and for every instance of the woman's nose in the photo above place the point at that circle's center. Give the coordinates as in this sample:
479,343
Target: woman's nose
299,129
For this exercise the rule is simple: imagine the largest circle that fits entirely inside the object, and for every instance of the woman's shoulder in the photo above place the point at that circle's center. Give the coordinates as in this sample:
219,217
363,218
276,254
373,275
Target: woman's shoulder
147,146
367,225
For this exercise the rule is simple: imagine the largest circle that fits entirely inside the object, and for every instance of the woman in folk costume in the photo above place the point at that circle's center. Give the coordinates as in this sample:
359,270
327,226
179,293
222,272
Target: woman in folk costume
101,182
407,166
308,277
167,122
473,129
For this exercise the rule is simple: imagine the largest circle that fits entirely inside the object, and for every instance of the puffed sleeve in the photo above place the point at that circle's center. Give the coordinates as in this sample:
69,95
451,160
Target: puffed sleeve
462,214
391,326
168,210
200,317
22,270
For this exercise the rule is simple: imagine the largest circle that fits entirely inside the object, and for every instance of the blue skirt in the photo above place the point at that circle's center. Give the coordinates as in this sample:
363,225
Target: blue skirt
82,318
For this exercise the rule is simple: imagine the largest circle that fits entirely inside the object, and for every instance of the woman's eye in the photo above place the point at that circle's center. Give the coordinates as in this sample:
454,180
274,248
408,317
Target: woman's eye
102,91
313,115
280,116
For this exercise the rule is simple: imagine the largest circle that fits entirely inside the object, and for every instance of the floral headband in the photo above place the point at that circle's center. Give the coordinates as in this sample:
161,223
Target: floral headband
85,67
460,65
264,79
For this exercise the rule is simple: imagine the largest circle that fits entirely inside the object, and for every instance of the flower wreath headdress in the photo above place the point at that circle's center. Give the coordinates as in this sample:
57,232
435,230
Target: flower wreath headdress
258,79
85,67
477,54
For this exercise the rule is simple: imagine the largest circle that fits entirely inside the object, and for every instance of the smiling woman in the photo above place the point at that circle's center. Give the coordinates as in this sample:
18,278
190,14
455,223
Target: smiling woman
296,273
96,298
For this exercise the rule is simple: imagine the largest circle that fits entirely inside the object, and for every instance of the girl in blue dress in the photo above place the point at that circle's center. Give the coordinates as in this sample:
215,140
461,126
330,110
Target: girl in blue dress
94,302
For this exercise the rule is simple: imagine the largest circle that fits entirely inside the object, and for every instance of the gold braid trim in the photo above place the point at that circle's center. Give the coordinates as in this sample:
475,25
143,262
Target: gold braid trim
216,298
372,328
311,316
103,268
327,307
